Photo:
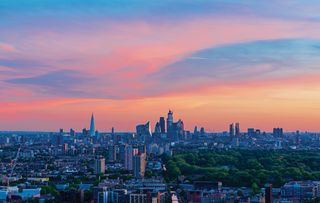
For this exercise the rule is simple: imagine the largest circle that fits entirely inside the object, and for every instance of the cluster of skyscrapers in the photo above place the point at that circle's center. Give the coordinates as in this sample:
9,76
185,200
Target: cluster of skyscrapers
170,130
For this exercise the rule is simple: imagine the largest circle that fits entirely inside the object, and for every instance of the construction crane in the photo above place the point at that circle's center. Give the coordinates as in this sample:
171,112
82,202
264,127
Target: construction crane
14,163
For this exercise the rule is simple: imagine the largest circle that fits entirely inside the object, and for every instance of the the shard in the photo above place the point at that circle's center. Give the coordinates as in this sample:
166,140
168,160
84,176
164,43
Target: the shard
92,129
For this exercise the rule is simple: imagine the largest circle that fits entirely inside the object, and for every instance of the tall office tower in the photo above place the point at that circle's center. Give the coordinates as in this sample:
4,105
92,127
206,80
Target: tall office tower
178,130
195,131
144,131
169,121
84,132
59,138
258,132
139,165
114,136
202,132
99,165
72,133
122,152
237,129
112,153
251,132
92,128
157,128
231,130
128,158
162,125
65,148
277,132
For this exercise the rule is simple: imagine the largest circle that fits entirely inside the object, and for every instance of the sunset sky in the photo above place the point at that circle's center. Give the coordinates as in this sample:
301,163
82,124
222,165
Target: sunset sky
212,62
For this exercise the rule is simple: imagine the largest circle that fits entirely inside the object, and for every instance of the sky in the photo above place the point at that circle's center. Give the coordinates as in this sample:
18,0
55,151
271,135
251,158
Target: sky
213,62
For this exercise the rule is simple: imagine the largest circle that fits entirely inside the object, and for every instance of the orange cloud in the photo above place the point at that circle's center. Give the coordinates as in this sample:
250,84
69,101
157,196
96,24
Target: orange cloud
289,103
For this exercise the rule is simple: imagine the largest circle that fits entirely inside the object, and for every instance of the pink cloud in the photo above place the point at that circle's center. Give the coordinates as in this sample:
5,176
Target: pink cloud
109,46
126,52
7,47
121,55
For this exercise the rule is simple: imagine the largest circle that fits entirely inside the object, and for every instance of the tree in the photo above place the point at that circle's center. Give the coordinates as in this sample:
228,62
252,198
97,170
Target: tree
50,190
255,188
173,170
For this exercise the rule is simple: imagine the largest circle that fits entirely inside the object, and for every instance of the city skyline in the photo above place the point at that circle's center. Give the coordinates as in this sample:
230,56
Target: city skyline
214,63
161,126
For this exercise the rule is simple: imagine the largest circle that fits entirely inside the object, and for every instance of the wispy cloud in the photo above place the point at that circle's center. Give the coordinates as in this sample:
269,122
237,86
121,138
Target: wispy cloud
22,63
59,83
233,64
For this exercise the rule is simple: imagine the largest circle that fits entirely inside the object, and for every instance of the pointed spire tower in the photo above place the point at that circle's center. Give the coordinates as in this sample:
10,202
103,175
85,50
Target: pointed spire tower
92,128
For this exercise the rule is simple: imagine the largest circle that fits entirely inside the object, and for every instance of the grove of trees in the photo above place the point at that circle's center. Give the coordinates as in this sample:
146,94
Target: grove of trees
244,167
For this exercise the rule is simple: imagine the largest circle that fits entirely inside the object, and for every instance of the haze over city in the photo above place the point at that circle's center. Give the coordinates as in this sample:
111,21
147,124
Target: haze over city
212,63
